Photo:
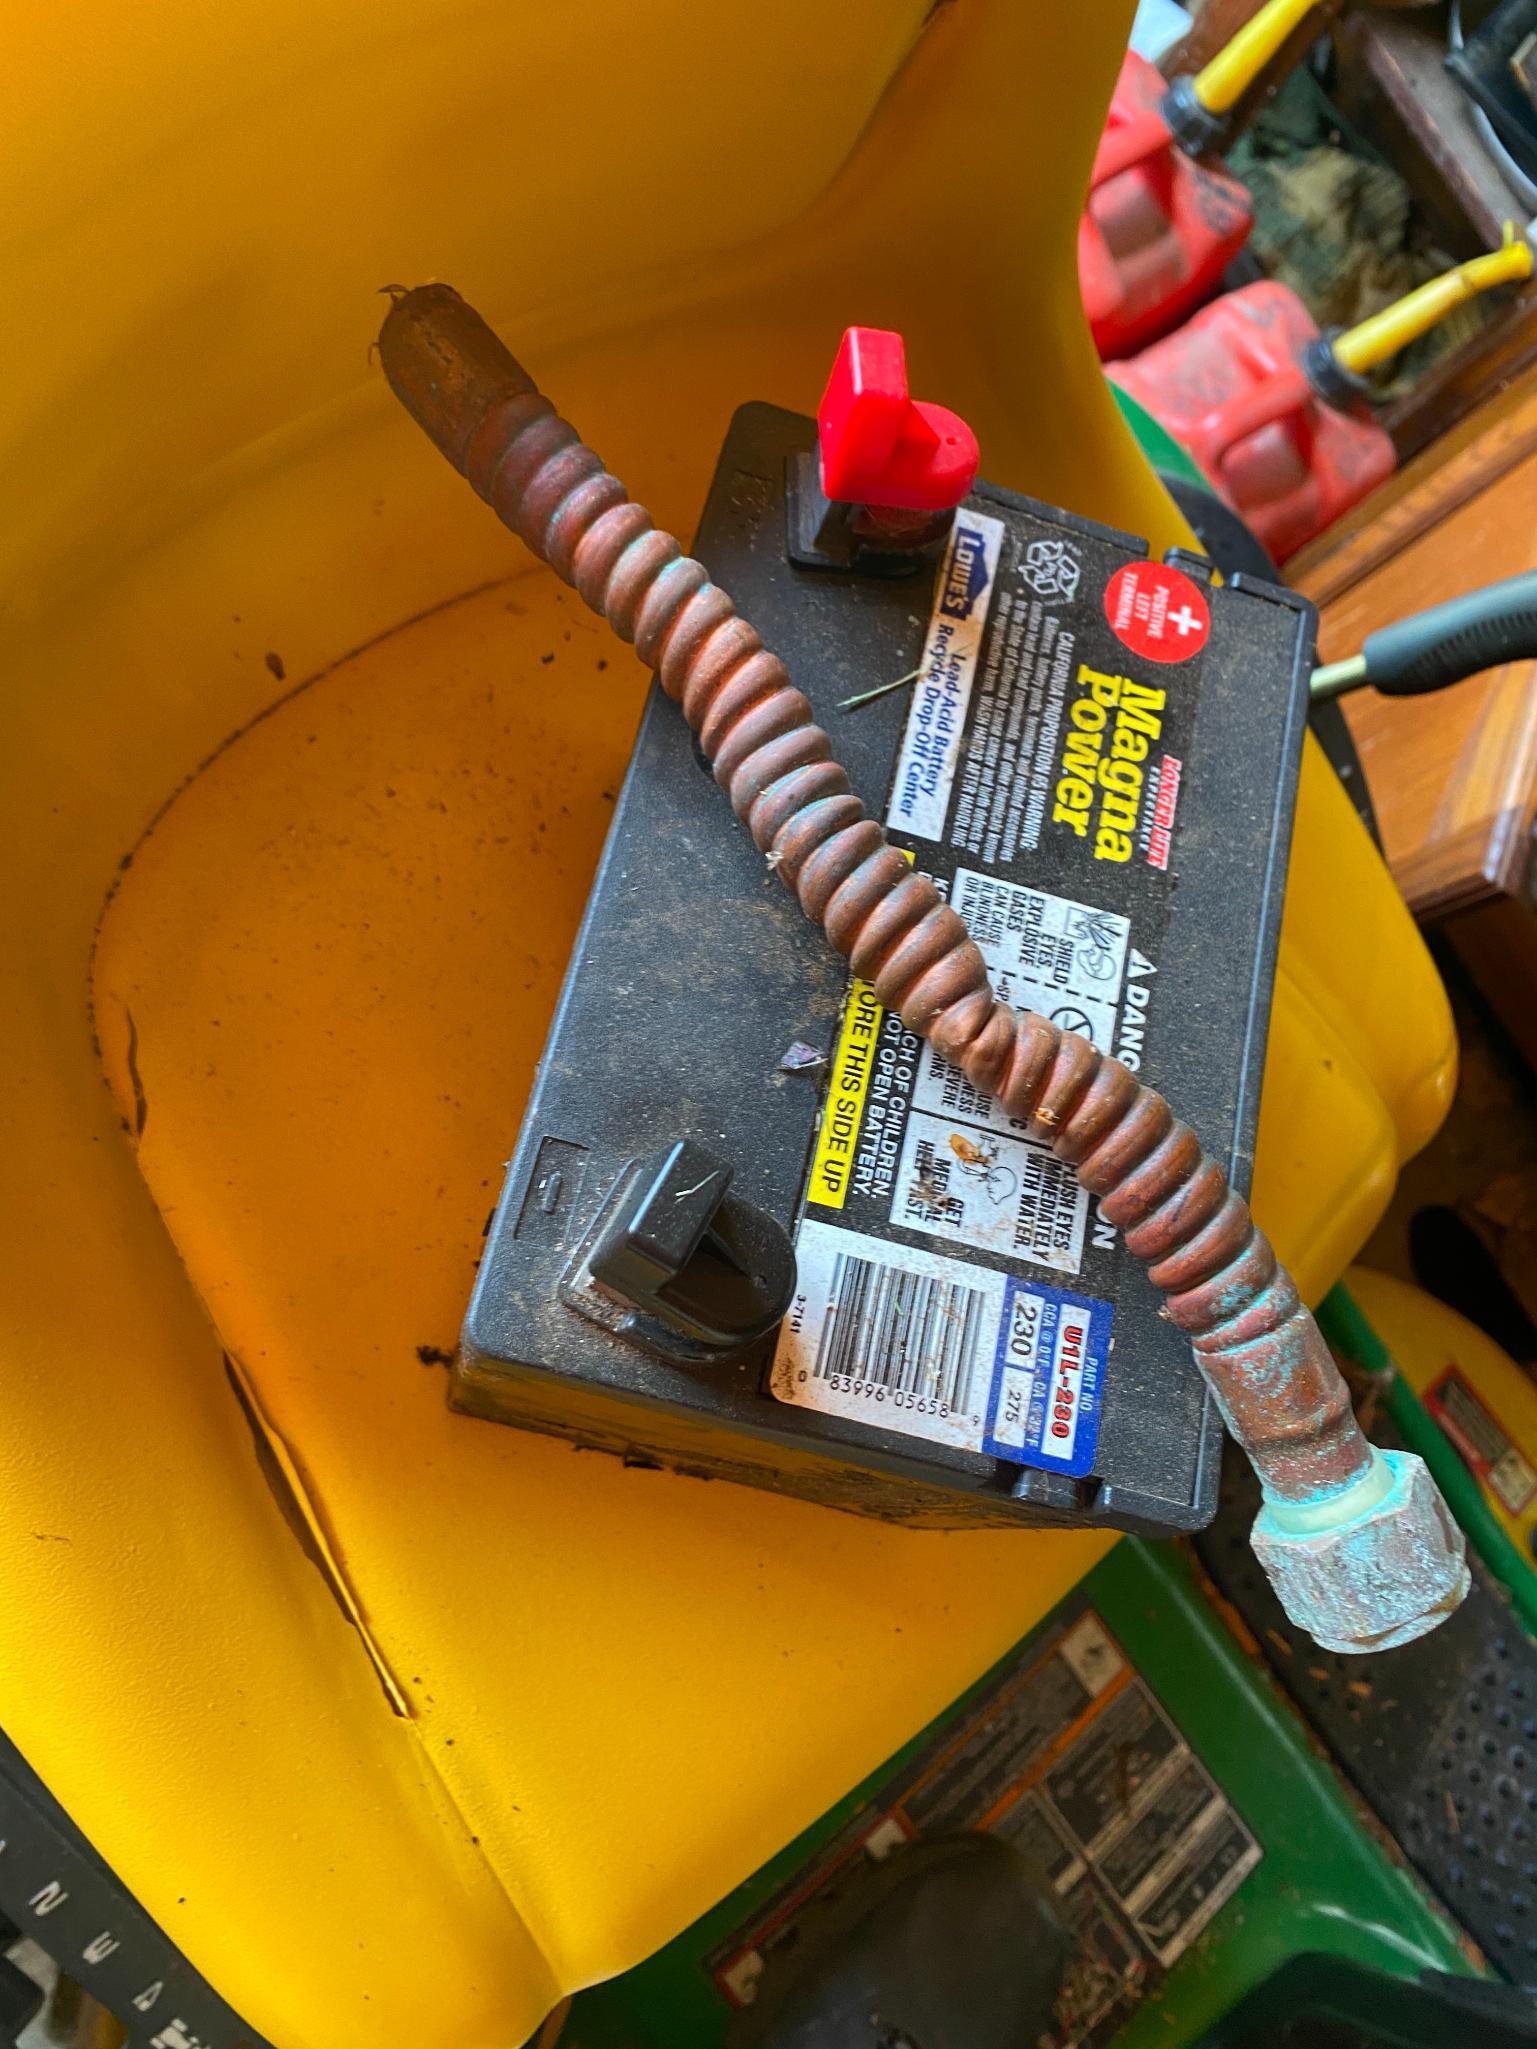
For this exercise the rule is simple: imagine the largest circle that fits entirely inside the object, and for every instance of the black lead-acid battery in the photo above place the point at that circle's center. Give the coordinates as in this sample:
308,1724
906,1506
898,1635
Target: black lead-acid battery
1095,757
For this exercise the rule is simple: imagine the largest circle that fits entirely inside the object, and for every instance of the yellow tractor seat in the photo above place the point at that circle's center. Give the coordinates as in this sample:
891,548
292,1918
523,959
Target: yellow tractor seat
403,1724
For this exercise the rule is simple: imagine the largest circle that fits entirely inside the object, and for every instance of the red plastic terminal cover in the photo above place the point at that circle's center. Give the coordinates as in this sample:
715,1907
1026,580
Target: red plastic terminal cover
880,447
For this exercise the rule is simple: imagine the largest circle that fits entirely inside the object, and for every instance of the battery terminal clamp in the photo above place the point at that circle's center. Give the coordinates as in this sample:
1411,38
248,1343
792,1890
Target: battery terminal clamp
881,492
680,1265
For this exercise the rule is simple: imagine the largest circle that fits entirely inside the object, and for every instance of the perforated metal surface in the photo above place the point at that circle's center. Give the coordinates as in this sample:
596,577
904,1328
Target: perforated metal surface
1439,1737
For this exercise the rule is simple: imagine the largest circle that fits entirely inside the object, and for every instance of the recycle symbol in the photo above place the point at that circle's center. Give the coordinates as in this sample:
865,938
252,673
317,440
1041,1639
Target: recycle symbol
1052,568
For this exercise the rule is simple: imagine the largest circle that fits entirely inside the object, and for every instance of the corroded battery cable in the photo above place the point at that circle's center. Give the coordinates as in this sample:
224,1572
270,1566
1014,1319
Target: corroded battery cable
1256,1343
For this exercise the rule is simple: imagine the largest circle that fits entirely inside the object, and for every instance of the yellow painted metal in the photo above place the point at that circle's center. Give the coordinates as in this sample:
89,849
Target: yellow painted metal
321,1002
1375,340
1426,1339
1220,84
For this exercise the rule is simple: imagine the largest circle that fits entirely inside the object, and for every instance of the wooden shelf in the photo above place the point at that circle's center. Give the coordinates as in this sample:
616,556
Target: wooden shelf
1453,776
1393,75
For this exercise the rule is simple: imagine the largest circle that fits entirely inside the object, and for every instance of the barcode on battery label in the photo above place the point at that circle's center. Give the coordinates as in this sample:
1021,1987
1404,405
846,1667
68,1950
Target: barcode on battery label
945,1348
891,1335
907,1333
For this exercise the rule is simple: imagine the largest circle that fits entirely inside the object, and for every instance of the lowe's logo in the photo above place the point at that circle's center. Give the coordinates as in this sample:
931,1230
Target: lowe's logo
965,573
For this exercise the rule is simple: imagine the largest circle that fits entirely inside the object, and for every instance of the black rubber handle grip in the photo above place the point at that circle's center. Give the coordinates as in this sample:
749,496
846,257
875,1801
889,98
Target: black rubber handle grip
1431,649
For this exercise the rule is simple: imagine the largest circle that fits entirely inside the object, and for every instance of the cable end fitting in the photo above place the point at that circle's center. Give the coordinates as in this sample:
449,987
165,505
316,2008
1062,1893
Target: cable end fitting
1380,1564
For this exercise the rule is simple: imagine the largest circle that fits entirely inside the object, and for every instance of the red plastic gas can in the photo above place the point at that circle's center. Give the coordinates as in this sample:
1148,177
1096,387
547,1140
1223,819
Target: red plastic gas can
1159,228
1231,389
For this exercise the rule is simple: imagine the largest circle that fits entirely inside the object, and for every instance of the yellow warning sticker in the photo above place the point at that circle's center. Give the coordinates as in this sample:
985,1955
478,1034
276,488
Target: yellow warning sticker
848,1085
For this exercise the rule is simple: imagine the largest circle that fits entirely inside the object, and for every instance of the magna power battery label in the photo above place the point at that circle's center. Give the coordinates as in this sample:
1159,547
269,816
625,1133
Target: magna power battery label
1073,1759
954,1280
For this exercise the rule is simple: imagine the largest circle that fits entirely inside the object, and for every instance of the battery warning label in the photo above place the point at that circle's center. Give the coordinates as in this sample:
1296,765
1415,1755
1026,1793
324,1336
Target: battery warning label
1072,1759
848,1086
998,1194
1038,785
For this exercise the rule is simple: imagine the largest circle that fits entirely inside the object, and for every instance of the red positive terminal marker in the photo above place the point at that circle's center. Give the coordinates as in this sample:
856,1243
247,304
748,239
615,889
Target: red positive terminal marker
880,447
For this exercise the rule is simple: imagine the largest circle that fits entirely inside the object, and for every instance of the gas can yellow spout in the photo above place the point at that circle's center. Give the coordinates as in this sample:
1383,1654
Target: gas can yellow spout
1225,80
1363,347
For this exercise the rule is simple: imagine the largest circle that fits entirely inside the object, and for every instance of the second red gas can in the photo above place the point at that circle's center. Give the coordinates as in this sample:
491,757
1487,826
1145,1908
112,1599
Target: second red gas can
1233,388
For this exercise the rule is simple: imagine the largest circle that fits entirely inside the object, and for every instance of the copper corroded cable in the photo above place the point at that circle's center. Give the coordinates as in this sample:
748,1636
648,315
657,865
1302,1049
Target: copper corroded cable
1256,1343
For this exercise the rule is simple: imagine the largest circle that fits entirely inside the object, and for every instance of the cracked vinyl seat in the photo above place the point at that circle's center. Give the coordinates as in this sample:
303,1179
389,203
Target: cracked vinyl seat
400,1723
